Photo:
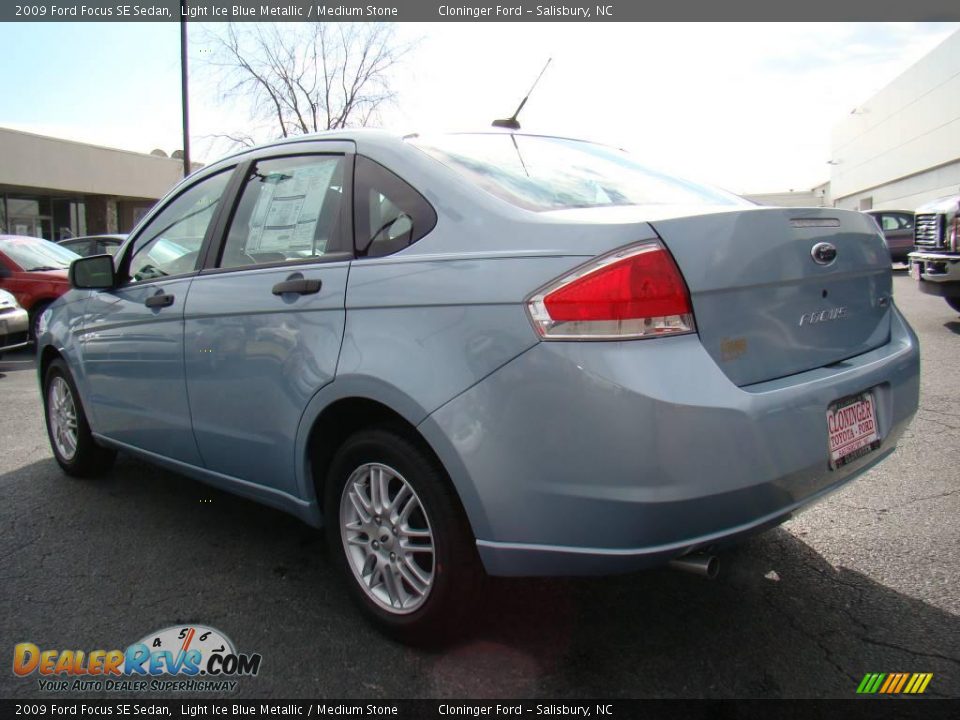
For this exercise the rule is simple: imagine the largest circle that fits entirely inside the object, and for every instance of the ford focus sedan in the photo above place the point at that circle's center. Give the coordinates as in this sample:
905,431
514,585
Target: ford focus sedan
484,354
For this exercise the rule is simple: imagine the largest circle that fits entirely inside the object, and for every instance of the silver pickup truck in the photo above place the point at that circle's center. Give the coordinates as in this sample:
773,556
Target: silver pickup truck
936,261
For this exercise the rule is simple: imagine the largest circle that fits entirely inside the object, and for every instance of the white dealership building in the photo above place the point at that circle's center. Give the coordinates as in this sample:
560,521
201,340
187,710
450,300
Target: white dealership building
56,189
901,148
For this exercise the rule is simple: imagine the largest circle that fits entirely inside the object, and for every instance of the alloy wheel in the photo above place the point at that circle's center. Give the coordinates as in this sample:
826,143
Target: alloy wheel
62,416
387,538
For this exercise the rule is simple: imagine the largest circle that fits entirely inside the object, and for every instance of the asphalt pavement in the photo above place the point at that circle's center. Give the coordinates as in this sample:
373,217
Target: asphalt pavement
866,581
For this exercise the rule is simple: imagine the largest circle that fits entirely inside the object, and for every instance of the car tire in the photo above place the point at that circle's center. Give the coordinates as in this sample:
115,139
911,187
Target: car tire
73,445
35,312
365,529
954,302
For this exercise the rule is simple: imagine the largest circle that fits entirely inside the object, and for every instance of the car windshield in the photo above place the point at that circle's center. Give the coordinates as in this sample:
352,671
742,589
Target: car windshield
544,173
33,255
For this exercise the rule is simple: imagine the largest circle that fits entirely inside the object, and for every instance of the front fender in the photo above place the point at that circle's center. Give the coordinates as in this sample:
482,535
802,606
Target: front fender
62,334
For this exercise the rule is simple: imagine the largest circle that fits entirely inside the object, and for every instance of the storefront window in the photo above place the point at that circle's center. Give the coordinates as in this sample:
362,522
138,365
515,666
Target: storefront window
23,206
69,218
52,218
42,217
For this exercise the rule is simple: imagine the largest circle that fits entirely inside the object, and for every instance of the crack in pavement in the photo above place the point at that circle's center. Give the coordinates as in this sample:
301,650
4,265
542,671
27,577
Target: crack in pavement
800,629
21,547
931,497
908,651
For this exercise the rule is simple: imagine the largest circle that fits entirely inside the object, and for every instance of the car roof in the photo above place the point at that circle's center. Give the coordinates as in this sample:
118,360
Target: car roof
23,238
378,136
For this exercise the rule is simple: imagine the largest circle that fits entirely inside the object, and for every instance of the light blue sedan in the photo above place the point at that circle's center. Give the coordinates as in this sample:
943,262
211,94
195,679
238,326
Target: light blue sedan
488,353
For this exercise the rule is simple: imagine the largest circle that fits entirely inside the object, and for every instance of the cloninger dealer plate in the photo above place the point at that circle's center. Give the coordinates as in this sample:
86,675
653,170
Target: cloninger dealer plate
852,428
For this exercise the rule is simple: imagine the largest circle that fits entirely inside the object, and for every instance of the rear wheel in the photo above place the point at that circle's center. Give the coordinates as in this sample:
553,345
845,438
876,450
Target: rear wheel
954,302
400,537
72,443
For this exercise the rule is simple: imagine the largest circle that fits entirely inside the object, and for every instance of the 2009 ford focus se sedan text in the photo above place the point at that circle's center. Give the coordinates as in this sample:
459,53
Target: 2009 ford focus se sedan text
487,353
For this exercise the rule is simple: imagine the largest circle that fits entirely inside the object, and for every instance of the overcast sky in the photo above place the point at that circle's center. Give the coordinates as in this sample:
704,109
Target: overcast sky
749,107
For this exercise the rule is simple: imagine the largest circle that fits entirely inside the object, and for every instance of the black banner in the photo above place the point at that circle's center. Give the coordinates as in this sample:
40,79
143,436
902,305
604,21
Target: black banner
439,11
863,709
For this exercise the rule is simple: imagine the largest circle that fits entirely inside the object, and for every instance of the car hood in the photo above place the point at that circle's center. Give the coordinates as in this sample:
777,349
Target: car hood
57,276
949,204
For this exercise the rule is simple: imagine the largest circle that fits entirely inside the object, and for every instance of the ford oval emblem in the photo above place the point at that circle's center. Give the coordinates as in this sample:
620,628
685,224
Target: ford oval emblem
823,253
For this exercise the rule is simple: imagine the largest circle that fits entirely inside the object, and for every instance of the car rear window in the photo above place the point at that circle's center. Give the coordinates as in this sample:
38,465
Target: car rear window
544,173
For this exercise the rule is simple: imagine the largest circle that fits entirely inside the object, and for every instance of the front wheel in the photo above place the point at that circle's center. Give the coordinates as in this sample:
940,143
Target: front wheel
72,443
954,302
35,313
400,537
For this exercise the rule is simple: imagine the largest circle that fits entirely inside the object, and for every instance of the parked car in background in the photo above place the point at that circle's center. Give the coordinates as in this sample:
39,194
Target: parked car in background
935,263
87,245
486,352
14,323
35,272
897,228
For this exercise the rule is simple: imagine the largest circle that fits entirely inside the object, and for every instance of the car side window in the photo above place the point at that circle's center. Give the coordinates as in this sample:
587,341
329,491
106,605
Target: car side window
290,209
81,247
170,243
889,222
389,214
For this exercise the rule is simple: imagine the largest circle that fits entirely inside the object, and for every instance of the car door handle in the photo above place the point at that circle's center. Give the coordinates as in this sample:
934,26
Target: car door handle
300,286
159,300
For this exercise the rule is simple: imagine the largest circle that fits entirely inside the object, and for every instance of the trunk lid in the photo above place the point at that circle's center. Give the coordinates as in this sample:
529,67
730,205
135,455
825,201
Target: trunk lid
764,307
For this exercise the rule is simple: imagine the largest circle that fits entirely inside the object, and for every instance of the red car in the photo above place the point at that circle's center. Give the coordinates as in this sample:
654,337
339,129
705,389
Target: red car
35,271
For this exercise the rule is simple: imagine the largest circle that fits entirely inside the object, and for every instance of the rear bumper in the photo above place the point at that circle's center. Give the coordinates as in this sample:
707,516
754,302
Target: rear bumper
938,273
13,329
587,458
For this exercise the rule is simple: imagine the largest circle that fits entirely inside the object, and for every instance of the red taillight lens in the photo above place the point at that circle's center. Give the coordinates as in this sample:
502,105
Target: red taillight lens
633,293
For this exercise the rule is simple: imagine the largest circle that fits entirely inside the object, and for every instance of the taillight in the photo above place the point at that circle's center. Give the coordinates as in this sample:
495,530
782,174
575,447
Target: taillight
635,292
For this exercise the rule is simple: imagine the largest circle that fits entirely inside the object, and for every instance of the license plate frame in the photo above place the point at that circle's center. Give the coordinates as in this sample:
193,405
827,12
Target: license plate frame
852,429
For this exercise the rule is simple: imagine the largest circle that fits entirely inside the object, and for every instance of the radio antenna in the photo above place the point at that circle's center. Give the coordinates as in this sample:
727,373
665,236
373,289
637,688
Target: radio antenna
511,123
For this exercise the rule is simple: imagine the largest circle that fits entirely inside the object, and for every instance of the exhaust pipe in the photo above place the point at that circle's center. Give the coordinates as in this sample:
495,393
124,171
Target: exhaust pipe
698,563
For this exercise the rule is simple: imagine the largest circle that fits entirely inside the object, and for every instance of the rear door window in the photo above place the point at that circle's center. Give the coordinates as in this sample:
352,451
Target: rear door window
290,210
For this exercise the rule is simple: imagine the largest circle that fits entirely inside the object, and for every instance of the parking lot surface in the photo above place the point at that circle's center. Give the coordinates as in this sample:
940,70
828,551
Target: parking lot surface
866,581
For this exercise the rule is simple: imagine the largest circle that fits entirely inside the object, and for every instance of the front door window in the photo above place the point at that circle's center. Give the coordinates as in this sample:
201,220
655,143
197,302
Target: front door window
170,244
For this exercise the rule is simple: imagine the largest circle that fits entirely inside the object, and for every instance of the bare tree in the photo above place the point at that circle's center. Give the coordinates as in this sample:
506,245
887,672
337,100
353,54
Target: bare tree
307,77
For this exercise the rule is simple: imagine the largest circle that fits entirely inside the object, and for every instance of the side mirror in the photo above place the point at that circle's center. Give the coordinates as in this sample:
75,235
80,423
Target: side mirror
92,273
4,272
